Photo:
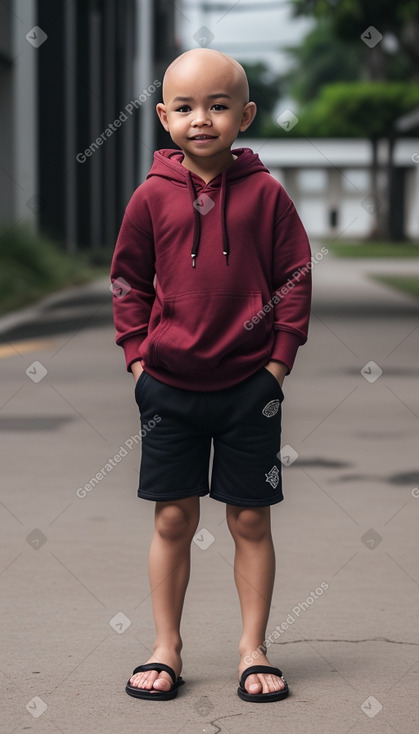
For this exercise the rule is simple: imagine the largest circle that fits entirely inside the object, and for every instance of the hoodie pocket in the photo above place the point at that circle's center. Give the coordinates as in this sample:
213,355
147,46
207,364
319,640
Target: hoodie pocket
202,330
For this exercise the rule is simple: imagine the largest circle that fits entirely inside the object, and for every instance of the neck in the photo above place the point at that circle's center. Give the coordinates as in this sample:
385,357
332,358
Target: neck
208,168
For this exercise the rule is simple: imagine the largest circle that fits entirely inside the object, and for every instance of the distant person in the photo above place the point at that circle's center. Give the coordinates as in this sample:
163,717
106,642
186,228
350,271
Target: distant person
211,302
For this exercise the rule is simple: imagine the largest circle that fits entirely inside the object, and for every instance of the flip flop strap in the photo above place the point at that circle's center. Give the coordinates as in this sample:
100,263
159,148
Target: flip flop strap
259,669
156,666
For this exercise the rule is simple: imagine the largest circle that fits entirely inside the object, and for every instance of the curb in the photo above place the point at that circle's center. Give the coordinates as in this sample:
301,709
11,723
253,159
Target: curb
31,313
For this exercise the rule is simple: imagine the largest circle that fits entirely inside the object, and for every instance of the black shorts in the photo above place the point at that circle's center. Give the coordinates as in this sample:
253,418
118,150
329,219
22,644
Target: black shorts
177,427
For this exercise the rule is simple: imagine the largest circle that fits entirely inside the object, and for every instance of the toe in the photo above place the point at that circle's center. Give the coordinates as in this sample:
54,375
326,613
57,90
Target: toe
163,682
263,683
253,684
278,683
144,680
152,680
272,683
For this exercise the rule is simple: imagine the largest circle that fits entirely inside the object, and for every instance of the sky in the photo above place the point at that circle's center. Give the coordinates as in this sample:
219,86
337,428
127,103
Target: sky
257,34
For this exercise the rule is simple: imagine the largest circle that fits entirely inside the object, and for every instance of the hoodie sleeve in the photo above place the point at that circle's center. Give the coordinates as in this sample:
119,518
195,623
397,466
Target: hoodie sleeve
292,284
132,277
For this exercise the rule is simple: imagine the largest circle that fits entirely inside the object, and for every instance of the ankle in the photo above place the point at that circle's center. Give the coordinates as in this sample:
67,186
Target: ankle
252,647
168,643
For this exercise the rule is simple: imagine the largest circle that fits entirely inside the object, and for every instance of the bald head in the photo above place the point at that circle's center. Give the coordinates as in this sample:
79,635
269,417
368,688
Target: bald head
204,64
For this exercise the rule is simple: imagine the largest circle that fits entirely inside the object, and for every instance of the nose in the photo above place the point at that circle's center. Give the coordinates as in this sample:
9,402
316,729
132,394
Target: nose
201,118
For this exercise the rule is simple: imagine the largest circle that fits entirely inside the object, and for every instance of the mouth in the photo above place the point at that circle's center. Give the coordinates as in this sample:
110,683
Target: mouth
203,137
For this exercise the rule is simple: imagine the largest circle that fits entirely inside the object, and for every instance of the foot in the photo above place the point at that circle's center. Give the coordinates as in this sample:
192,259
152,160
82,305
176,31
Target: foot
152,679
259,682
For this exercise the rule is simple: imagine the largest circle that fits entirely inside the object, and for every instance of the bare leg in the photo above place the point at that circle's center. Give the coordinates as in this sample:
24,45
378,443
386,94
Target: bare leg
169,570
254,573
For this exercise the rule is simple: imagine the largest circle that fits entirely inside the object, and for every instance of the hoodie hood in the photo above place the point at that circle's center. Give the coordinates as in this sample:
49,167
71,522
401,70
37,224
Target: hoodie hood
168,165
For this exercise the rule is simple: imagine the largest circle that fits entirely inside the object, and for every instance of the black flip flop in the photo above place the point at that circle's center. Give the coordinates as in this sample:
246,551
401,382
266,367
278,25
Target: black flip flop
153,694
262,697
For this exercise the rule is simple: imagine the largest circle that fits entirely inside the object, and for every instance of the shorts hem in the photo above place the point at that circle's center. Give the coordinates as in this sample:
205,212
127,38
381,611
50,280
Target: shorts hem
247,502
160,497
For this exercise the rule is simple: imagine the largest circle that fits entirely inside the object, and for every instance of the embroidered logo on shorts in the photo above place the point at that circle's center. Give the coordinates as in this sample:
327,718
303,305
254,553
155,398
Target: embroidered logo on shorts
271,408
273,477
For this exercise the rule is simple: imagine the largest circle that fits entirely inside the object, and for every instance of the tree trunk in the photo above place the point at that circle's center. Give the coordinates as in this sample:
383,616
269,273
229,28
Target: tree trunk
396,179
373,205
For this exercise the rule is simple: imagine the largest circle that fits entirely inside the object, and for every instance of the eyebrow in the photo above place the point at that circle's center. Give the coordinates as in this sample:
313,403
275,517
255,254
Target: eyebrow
210,96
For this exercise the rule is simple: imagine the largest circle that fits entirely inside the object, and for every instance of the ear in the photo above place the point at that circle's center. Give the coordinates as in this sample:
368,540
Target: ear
162,113
248,115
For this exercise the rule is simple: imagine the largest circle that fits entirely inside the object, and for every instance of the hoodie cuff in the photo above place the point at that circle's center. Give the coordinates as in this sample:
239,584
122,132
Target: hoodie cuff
285,348
131,347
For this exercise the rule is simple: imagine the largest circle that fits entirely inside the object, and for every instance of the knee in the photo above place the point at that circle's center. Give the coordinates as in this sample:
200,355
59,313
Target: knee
174,523
250,524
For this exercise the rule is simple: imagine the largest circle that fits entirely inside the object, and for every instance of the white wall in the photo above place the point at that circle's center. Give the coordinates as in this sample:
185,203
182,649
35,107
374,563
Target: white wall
322,175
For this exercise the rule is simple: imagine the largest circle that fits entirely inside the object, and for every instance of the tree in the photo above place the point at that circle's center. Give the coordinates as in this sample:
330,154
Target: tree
320,59
351,18
265,90
358,109
390,31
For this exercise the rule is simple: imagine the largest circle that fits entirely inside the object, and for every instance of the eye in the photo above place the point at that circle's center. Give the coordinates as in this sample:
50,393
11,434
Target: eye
219,107
184,108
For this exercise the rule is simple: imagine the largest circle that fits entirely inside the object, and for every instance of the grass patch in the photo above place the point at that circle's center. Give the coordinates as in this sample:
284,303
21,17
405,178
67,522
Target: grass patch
405,283
373,249
31,267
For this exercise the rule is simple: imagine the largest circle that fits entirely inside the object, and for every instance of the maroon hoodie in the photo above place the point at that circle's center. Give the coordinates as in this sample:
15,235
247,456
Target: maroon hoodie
213,279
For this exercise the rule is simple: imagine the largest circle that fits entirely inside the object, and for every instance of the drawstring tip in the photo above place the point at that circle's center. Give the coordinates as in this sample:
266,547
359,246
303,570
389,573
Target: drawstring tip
193,261
226,257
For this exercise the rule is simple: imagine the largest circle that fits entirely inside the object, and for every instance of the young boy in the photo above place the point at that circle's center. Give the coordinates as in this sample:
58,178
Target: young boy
212,301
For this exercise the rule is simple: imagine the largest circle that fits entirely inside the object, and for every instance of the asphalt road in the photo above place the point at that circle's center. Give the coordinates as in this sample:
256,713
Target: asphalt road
73,572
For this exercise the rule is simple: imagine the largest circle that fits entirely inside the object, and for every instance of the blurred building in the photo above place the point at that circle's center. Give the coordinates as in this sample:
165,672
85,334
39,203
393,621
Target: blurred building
78,87
330,183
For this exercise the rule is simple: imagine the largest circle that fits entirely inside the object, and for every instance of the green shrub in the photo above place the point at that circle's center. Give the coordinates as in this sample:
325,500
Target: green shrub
32,266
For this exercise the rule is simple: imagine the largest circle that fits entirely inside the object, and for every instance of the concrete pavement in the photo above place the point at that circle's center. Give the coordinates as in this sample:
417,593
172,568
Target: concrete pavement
73,573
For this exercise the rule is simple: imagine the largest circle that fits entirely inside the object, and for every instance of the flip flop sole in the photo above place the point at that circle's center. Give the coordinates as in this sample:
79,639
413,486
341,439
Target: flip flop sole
262,697
157,696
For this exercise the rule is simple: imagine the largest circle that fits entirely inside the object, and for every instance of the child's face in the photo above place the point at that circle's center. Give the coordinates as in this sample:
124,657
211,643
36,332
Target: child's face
205,108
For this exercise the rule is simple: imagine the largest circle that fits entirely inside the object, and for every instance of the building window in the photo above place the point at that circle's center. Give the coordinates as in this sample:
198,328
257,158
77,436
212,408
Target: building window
312,180
356,180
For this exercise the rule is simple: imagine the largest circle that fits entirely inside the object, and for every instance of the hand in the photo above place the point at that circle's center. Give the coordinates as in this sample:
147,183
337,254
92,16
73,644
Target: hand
137,369
277,369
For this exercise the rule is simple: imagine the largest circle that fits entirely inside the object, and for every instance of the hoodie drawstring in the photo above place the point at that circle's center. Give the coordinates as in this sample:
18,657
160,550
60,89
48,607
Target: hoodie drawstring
197,221
223,205
197,216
